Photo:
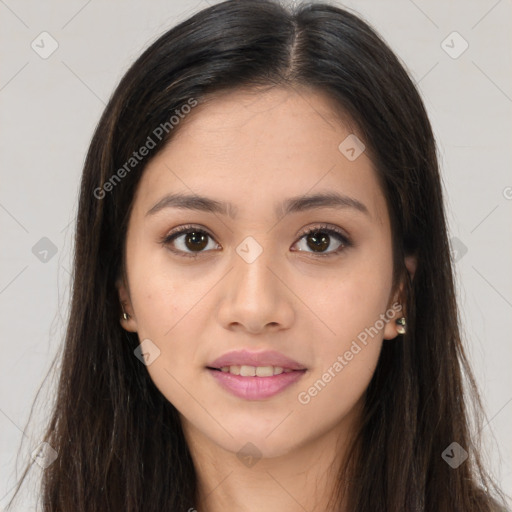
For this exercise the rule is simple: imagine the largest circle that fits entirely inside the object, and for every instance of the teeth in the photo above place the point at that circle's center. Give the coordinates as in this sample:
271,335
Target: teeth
255,371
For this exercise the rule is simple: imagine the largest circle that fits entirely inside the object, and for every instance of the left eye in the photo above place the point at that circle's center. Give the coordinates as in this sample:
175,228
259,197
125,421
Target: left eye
188,240
319,239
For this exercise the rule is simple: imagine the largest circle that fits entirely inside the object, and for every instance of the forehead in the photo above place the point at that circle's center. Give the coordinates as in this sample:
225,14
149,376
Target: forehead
284,114
247,146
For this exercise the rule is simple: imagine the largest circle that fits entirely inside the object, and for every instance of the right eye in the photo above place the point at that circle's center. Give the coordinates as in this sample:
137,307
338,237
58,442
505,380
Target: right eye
187,240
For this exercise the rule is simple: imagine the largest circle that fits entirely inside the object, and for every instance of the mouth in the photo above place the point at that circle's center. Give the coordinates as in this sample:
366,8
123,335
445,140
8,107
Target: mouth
255,371
248,363
252,375
255,383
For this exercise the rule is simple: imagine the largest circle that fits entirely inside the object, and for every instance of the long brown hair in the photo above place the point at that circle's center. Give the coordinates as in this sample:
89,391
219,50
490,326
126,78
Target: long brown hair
119,442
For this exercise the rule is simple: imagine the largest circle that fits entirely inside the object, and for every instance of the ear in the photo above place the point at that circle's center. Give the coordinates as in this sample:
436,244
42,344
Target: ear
130,324
397,303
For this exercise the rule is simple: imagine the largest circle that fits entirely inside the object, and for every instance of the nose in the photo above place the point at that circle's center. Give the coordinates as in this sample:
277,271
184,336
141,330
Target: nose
255,296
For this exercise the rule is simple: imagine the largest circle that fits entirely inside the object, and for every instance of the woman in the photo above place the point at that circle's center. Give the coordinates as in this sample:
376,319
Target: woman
263,312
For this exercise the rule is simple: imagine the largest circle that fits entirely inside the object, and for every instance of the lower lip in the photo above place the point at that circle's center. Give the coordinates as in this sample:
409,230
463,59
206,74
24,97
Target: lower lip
256,388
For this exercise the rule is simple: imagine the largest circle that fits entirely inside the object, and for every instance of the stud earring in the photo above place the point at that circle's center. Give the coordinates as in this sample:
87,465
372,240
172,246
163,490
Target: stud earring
401,326
126,316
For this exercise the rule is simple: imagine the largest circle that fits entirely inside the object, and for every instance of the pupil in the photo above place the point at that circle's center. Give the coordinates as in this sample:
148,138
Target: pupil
196,237
320,240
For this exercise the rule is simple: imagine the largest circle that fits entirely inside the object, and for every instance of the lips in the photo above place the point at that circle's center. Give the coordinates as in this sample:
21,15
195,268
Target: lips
249,358
256,388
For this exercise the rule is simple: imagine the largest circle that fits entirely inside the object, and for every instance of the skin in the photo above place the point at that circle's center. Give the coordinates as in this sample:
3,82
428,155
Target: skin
255,148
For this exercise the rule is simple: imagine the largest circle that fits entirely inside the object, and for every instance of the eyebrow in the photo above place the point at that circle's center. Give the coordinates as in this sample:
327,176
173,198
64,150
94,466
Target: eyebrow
290,205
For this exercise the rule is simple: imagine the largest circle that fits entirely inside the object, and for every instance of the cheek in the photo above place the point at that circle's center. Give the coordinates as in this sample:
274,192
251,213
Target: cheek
169,305
352,309
154,302
347,353
353,301
335,393
166,304
161,294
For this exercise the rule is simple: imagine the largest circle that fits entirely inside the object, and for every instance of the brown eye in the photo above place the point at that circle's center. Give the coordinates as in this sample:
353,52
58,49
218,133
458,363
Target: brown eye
319,239
196,241
187,240
190,241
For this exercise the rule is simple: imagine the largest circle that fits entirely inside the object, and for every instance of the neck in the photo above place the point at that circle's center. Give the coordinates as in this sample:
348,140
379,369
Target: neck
304,478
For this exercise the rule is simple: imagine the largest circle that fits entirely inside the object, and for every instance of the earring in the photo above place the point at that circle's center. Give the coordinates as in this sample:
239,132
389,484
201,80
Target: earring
126,316
401,325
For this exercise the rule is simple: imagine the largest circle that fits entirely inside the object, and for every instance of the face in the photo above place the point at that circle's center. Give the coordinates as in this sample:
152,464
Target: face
311,280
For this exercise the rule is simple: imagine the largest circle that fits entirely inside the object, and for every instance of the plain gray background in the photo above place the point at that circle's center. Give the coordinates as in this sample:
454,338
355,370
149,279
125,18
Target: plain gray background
50,106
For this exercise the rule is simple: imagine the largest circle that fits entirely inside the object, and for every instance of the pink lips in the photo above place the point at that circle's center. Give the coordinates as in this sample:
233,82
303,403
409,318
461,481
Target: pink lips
255,388
265,358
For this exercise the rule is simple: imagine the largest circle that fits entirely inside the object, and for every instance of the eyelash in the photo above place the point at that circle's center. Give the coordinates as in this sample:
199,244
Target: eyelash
167,239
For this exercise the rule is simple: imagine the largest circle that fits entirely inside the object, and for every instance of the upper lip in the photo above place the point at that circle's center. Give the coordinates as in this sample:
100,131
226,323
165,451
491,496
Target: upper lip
249,358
